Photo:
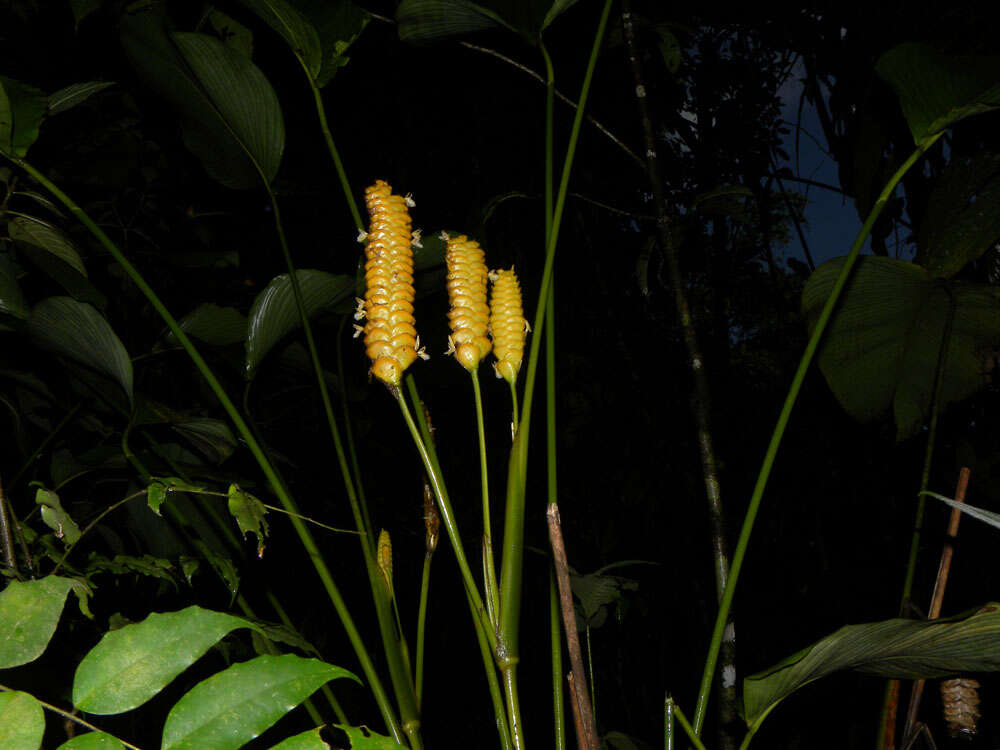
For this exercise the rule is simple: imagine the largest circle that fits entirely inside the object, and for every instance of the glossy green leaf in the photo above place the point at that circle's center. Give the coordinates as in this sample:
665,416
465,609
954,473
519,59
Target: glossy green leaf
229,114
962,220
219,326
12,301
881,348
69,96
231,708
131,665
274,313
76,330
22,109
363,738
29,614
898,649
22,721
44,236
422,21
936,90
249,513
295,29
55,517
308,740
92,741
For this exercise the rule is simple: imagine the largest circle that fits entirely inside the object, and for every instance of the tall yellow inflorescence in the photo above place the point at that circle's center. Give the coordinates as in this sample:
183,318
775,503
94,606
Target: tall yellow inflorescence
469,315
508,326
391,340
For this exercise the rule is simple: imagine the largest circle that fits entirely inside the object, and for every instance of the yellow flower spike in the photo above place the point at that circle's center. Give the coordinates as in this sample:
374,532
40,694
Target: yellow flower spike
390,333
384,559
469,315
508,326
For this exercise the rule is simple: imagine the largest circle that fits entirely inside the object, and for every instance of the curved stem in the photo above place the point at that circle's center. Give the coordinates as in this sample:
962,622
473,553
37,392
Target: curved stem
334,154
779,430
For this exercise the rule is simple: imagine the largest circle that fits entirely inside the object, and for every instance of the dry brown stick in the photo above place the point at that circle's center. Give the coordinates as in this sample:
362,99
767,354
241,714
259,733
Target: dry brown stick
574,701
938,596
586,732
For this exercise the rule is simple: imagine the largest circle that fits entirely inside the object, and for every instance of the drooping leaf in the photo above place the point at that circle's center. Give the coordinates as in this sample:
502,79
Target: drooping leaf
229,114
12,301
274,313
76,330
222,566
881,348
557,9
29,614
937,90
219,326
22,109
422,21
69,96
898,649
962,220
295,29
159,487
249,513
308,740
212,437
363,738
44,236
131,665
147,565
993,519
55,517
232,707
22,721
92,741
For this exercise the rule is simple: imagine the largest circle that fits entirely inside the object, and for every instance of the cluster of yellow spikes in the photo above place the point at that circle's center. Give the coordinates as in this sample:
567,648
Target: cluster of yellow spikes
391,340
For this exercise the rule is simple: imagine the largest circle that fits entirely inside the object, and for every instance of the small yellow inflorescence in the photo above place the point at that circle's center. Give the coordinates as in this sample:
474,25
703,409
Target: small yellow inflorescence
507,324
391,340
469,314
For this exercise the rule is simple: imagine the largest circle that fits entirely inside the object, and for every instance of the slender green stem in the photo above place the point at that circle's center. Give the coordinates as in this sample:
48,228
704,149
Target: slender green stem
668,722
779,430
287,502
555,639
513,410
425,579
489,567
53,434
348,431
688,729
334,154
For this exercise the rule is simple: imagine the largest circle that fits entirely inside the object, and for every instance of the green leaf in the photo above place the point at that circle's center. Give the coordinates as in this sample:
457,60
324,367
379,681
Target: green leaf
236,705
22,721
229,114
339,25
219,326
274,314
993,519
597,592
22,109
558,8
156,492
363,738
44,236
12,301
670,48
70,96
300,35
56,518
29,614
422,21
92,741
881,348
962,220
147,565
223,567
131,665
82,9
76,330
308,740
249,513
231,32
936,90
898,649
212,437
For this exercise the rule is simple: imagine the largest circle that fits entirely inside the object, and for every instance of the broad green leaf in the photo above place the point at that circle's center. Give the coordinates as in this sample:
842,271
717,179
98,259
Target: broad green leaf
423,21
962,220
339,25
597,592
274,313
898,649
308,740
147,565
22,721
76,330
70,96
231,708
229,114
156,492
249,513
212,437
12,301
131,665
55,517
92,741
29,614
44,236
233,34
22,109
296,30
936,90
363,738
881,348
219,326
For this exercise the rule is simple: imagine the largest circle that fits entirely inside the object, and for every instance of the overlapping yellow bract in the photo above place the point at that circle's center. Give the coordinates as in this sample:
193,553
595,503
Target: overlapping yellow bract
508,326
390,333
469,315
